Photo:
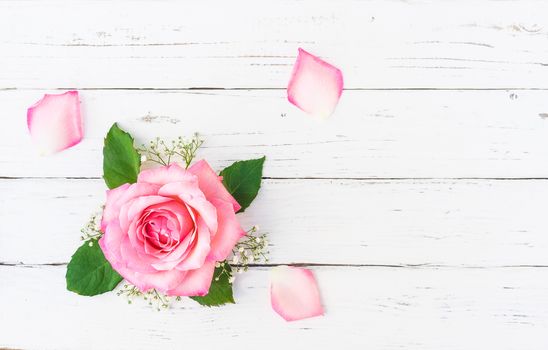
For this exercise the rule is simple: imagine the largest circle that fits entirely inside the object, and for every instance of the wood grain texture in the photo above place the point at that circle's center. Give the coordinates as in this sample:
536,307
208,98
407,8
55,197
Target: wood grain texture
455,223
373,134
380,308
249,44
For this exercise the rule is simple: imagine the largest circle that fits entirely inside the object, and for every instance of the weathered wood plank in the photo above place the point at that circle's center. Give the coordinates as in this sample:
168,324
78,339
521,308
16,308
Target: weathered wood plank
380,308
170,44
386,134
457,223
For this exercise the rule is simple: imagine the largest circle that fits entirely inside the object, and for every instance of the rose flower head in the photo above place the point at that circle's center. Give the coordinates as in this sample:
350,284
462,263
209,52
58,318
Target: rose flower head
167,230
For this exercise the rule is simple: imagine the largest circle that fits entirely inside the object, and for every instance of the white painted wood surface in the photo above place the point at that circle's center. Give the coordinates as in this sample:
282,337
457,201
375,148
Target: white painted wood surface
175,44
374,134
383,308
420,205
400,222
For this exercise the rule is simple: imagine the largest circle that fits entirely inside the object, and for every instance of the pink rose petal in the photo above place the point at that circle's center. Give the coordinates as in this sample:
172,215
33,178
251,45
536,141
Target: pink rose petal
195,199
198,255
55,122
165,175
121,195
294,293
211,184
315,85
196,282
229,231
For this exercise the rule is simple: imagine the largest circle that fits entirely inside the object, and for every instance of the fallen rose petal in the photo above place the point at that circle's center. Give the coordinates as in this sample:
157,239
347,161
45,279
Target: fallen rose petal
55,122
315,85
294,293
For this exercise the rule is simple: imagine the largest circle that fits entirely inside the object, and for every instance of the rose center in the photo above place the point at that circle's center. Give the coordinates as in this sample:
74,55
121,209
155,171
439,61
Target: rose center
161,233
166,228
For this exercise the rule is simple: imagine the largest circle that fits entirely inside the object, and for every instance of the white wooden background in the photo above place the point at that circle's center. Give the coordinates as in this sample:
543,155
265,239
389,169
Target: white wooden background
420,205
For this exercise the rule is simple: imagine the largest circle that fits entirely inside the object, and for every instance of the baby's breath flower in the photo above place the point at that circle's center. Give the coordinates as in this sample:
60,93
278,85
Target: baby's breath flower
91,231
154,298
251,248
162,152
222,268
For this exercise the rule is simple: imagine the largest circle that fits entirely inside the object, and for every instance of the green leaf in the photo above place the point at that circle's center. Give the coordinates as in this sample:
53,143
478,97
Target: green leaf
89,273
121,161
220,292
243,180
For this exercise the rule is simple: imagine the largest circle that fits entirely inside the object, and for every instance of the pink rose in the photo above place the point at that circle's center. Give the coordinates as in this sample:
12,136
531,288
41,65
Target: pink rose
167,230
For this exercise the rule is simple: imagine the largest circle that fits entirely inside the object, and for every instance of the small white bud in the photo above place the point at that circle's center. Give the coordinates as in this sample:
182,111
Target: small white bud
217,264
256,228
231,279
241,249
90,244
143,158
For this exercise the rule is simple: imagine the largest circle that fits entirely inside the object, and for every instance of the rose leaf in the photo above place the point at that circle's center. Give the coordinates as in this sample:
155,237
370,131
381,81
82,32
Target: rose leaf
243,180
121,161
89,273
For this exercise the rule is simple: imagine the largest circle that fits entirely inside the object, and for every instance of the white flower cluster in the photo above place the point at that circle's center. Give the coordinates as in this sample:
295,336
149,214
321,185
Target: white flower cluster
224,269
162,152
252,248
92,230
153,297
